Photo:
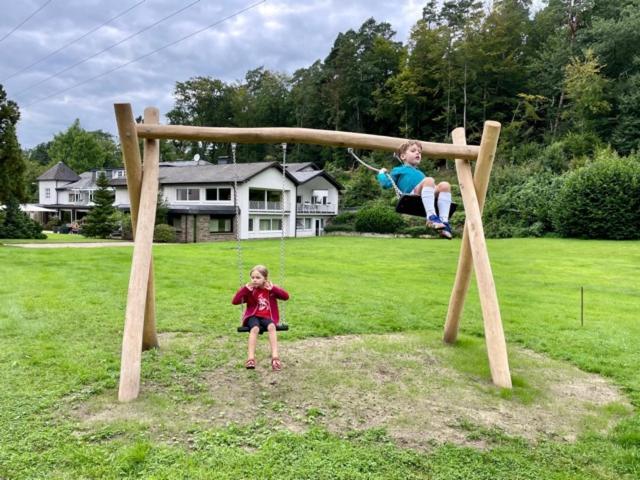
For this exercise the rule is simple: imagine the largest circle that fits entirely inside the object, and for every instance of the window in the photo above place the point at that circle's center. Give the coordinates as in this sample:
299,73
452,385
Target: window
307,223
47,193
74,197
117,174
251,224
218,194
224,194
219,225
187,194
270,224
319,197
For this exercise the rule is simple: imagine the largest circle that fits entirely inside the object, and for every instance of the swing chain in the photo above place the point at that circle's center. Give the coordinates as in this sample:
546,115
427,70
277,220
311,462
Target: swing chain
282,243
235,201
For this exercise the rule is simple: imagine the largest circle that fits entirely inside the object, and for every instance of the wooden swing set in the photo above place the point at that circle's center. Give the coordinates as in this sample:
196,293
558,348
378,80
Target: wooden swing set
142,182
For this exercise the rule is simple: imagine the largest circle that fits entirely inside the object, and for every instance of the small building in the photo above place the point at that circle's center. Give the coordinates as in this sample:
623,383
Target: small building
203,204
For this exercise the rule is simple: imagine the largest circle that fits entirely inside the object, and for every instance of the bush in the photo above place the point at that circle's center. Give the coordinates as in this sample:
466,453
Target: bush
17,224
340,227
164,233
52,223
378,219
520,203
416,231
600,200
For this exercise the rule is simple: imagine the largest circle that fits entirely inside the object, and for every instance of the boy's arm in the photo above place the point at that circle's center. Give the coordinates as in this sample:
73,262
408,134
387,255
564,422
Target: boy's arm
383,179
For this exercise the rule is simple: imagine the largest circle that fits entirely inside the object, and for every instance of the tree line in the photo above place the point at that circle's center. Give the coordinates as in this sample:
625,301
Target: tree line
564,81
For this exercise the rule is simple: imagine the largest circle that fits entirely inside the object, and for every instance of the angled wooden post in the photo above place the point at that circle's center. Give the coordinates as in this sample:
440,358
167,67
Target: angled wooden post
140,266
488,145
493,331
133,168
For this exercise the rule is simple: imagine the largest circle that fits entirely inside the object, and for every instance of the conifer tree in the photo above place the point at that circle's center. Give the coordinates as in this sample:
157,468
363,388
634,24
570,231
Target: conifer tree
100,221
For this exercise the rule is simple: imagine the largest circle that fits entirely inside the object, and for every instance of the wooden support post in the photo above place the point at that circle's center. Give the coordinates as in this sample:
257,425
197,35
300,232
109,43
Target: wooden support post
138,281
133,168
488,145
494,334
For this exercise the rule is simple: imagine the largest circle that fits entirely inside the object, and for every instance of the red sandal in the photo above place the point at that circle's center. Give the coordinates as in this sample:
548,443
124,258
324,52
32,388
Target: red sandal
276,364
250,364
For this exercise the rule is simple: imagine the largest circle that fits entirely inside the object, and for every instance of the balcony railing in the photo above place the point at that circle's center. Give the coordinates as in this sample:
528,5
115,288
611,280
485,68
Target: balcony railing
316,208
267,206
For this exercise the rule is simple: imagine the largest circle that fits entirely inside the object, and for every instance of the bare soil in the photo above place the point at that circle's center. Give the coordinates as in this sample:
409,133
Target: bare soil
393,382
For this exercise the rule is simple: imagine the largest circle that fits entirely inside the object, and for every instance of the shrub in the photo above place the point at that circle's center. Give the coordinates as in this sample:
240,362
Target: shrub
344,218
600,200
519,203
164,233
52,223
378,219
17,224
416,231
340,227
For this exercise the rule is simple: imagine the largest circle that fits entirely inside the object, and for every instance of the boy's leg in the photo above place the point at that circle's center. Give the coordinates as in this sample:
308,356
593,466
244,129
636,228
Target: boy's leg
444,206
426,189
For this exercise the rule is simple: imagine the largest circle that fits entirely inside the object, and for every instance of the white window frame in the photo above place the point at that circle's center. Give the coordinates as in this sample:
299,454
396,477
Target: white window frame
271,221
188,191
228,224
47,192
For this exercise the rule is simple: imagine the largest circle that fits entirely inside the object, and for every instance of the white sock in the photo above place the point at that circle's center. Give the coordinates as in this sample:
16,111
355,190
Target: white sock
444,205
428,200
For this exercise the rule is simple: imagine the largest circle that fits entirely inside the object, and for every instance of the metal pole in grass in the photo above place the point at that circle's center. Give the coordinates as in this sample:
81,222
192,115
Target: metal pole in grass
582,306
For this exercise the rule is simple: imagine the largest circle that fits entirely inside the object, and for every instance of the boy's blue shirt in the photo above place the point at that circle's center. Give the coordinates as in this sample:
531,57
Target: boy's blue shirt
406,178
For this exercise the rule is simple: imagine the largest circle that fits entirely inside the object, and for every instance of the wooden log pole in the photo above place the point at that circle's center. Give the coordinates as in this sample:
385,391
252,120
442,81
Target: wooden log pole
487,153
133,169
138,281
493,331
302,135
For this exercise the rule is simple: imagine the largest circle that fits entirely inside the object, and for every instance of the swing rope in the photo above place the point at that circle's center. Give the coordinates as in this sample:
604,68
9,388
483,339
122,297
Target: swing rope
397,191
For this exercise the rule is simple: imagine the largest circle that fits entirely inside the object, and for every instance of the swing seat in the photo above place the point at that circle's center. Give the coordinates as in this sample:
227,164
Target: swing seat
412,205
280,327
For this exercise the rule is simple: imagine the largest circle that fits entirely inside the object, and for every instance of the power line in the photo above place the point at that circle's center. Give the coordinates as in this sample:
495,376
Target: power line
25,20
108,48
218,22
72,42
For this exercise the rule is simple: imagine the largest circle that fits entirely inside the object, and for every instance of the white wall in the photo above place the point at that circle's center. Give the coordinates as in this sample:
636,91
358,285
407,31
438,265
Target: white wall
53,198
270,179
319,183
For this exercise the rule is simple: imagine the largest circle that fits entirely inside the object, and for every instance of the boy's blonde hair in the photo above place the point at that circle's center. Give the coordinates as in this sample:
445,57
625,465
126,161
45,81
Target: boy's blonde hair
262,270
405,146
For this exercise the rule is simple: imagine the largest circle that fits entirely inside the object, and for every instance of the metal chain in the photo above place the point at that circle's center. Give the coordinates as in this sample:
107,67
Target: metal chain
238,242
282,243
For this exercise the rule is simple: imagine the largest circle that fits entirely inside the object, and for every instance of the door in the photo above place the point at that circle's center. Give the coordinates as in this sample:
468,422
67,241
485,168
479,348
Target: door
317,228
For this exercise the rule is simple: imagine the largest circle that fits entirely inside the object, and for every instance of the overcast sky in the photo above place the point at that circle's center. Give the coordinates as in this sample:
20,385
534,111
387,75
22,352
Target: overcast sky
67,59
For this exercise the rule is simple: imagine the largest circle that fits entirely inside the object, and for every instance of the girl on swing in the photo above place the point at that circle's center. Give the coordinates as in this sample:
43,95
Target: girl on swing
411,180
261,314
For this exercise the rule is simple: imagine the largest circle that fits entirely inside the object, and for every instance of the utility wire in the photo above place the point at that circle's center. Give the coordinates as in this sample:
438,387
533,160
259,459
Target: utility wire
25,20
108,48
218,22
72,42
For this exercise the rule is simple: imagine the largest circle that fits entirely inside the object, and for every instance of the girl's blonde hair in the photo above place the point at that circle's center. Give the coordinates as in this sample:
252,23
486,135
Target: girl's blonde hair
405,146
262,270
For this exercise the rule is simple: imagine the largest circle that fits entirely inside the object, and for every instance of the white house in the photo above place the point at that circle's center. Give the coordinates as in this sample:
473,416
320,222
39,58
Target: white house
202,200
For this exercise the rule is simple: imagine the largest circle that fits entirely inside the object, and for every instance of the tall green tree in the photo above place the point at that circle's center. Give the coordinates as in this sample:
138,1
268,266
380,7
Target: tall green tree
81,150
100,222
12,163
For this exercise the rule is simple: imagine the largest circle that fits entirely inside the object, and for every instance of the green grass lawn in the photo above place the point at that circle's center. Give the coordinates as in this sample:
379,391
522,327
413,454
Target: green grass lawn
56,238
367,305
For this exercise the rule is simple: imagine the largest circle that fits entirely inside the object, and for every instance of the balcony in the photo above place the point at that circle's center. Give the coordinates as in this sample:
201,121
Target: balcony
319,208
266,206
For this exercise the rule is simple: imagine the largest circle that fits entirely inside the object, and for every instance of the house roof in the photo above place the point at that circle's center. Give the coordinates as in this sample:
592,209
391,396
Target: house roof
59,172
85,182
304,177
298,167
210,173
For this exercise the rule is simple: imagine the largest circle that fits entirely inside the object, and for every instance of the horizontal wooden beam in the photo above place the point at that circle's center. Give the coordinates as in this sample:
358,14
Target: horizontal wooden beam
301,135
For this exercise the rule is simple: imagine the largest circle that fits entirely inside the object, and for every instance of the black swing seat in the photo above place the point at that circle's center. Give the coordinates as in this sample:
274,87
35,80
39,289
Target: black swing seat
412,205
280,327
